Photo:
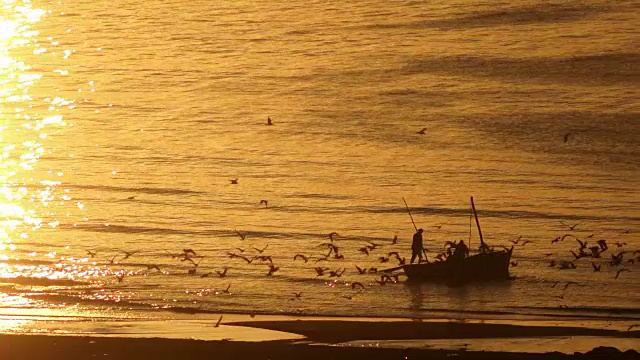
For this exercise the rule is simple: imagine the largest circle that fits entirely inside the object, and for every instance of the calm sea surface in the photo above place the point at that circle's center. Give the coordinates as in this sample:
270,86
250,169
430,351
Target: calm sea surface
122,124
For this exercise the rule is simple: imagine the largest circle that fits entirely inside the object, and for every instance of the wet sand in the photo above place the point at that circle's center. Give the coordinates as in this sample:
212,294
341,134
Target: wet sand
325,339
337,331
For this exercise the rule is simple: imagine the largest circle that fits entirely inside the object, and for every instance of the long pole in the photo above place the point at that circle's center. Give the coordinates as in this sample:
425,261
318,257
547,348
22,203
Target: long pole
414,226
409,211
477,222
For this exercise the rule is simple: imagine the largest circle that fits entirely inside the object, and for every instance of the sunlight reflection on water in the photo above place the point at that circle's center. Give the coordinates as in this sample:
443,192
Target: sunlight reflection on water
28,120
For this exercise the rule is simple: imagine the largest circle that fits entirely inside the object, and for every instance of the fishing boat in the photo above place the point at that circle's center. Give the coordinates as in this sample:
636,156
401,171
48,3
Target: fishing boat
487,265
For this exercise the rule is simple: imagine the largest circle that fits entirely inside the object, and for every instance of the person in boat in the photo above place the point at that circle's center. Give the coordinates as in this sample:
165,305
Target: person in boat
416,246
484,248
461,252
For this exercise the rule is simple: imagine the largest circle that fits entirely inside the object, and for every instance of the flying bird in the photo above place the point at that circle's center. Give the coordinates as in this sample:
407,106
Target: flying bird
517,241
422,132
361,270
301,256
222,273
595,251
249,261
113,259
152,266
619,271
603,244
234,181
561,238
356,284
571,227
91,253
336,273
583,244
195,264
264,258
120,276
616,259
128,254
272,269
189,251
242,236
260,251
596,268
320,271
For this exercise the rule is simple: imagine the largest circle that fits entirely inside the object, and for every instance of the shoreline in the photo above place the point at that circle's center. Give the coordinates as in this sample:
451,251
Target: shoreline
320,338
25,347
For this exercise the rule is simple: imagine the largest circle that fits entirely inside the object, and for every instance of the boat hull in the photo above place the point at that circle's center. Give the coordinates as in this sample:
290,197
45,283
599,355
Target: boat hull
480,267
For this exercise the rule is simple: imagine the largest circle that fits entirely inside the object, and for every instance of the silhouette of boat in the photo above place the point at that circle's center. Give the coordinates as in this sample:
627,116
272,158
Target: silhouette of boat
487,265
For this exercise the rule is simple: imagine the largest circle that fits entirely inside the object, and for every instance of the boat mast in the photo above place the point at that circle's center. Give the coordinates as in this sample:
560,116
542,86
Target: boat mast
477,223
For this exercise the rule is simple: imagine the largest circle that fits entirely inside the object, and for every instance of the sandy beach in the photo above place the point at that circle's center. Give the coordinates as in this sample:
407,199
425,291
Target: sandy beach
330,339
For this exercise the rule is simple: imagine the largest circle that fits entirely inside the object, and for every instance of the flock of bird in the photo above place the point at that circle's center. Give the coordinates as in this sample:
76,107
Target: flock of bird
326,260
373,251
258,256
596,251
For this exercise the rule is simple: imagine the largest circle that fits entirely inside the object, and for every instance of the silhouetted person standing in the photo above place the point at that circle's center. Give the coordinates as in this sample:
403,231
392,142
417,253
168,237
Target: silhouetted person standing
461,252
416,246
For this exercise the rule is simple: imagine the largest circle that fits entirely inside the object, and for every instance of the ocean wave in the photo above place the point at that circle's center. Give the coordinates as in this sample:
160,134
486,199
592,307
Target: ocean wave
598,69
143,190
515,214
222,233
513,16
554,312
37,281
28,262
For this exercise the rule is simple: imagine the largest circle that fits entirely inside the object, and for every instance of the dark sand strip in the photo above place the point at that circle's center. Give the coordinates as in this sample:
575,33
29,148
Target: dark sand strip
337,331
27,347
